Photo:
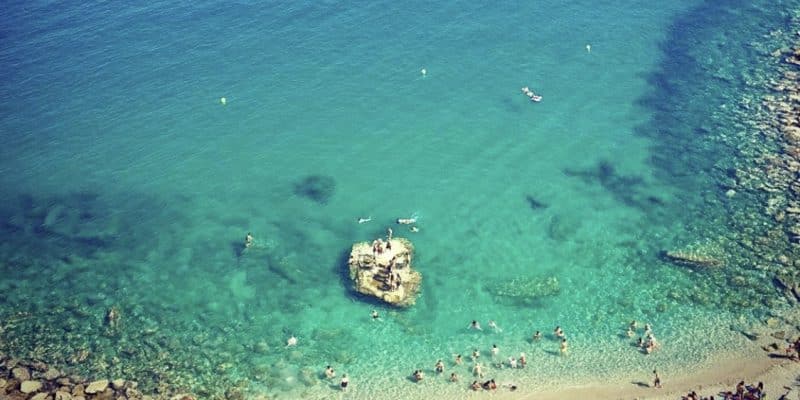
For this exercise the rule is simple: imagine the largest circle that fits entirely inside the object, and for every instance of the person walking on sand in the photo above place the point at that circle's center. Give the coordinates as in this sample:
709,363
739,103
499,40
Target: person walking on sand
656,380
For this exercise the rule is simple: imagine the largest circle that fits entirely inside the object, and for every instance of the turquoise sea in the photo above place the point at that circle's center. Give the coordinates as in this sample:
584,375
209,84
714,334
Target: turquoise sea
126,183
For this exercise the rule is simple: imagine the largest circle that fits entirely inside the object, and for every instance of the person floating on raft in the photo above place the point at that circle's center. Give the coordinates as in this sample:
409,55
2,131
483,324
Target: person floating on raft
533,96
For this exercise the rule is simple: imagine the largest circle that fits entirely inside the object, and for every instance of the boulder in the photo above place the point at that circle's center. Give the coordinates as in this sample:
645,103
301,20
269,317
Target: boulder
693,259
30,386
96,386
369,271
63,396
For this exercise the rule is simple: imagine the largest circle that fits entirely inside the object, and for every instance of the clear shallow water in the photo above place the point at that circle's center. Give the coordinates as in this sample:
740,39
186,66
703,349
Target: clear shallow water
128,184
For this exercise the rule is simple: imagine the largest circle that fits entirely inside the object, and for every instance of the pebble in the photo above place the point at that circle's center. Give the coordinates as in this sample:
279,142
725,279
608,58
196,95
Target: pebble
63,396
39,396
96,386
21,373
30,386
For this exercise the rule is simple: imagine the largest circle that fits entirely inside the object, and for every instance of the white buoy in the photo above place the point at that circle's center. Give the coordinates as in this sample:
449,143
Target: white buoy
424,72
223,101
588,48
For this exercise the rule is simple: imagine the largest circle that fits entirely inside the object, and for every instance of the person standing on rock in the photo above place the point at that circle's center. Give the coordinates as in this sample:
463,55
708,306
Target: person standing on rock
389,233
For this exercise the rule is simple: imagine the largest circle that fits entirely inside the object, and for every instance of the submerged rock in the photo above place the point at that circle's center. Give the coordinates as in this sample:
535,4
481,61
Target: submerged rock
526,290
383,270
693,259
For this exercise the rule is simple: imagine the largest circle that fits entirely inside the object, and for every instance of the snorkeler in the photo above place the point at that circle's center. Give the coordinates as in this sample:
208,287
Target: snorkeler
494,326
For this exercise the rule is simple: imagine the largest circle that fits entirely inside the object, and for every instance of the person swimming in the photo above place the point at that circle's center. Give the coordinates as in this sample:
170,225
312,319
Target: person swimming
537,335
414,229
475,325
292,341
364,220
375,314
494,326
329,372
248,240
344,383
406,221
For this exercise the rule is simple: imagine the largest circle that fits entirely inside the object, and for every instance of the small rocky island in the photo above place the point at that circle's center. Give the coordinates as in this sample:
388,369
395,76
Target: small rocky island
383,270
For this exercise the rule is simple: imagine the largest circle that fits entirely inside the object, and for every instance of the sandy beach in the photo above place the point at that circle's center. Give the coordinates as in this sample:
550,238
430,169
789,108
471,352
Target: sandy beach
752,365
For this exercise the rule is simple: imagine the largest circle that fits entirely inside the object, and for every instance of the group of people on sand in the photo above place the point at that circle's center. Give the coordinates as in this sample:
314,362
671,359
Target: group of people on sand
741,392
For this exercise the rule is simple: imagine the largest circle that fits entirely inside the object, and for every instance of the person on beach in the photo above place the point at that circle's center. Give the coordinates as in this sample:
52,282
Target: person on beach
523,360
389,234
656,380
564,346
439,367
329,372
477,370
494,326
537,335
492,384
740,389
558,332
475,386
453,377
458,359
475,325
344,383
248,240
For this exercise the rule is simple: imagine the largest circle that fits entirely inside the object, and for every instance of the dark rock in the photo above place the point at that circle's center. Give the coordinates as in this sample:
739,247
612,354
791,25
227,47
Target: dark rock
319,188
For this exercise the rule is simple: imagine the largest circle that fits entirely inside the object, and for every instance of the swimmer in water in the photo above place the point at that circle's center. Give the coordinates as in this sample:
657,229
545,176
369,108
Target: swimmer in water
375,314
414,229
494,326
477,370
453,377
406,221
588,48
439,367
248,240
558,332
523,360
458,359
630,333
364,220
564,346
475,325
424,72
537,335
292,341
495,350
329,372
344,383
475,355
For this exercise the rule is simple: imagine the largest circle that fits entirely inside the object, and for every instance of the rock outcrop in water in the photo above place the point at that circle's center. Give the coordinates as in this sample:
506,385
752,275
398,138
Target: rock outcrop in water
383,270
693,259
